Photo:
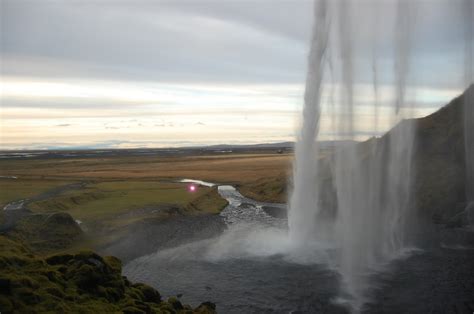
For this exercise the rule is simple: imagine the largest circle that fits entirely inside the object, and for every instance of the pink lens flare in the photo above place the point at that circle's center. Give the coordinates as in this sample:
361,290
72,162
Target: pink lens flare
192,188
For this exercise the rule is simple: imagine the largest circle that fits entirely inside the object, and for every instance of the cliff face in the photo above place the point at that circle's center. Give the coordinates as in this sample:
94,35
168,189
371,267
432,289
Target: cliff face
439,168
439,161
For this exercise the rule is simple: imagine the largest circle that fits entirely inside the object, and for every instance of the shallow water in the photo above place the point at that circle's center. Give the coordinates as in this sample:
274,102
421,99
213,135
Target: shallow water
199,182
257,285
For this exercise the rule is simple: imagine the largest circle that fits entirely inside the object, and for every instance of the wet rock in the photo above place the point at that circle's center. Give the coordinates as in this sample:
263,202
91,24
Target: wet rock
276,212
470,213
464,218
206,308
457,237
175,303
459,220
246,205
5,286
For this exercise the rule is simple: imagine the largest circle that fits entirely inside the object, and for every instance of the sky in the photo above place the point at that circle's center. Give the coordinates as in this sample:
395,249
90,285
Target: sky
123,73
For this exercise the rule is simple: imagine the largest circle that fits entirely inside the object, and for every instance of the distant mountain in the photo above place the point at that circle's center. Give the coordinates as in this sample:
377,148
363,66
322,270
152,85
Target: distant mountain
282,145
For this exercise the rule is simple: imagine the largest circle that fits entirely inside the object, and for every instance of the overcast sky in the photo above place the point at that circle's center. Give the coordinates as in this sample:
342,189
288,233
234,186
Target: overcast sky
116,73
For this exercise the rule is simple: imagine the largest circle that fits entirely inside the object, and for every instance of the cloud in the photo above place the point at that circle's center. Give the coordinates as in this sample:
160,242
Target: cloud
209,41
160,43
237,67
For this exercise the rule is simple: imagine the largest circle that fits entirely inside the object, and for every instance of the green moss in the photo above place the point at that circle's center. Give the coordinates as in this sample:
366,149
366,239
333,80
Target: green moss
149,294
133,310
84,282
114,263
175,303
6,305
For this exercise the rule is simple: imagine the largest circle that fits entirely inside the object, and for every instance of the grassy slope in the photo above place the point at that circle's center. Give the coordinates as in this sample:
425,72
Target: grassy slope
106,207
47,233
11,190
119,202
83,282
271,189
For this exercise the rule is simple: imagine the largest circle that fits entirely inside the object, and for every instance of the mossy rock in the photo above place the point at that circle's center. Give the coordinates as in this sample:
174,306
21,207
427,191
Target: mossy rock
83,282
59,259
206,308
149,293
133,310
6,304
114,263
175,303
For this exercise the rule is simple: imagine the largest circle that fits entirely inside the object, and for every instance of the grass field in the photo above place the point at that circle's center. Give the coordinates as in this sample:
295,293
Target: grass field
117,192
112,204
12,190
260,176
232,168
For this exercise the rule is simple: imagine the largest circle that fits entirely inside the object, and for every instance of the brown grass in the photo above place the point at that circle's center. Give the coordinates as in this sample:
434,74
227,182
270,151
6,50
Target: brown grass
234,169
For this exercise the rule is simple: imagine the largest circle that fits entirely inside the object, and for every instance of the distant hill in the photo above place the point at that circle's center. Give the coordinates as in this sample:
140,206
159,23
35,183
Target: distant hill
166,151
170,151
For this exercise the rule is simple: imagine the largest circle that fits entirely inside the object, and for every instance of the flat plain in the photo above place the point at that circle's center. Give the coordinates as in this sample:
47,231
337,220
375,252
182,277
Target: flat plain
107,194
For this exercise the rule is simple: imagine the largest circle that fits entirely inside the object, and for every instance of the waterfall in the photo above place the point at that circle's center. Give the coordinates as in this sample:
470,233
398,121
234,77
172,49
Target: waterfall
304,197
371,185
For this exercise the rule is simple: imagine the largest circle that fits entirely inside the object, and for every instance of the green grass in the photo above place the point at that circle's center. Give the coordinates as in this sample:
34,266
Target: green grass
113,203
12,190
273,190
107,208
